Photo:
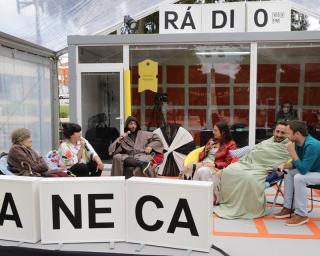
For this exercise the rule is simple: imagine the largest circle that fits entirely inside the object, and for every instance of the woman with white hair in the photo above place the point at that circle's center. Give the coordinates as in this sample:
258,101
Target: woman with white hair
25,161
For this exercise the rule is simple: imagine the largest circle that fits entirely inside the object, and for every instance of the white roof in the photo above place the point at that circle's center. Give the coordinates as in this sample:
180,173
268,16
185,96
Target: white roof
48,22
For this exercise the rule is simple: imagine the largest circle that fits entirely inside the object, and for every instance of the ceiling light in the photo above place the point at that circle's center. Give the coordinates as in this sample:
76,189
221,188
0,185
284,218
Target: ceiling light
129,25
222,53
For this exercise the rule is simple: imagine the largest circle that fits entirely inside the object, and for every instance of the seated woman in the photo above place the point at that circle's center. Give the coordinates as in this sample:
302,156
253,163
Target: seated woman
23,160
214,157
286,113
76,153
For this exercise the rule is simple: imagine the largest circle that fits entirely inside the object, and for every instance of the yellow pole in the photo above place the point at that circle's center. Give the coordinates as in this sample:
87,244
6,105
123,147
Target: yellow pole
127,93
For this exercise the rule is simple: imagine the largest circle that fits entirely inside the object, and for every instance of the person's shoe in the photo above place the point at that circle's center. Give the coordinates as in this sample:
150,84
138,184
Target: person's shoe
297,220
96,173
145,166
284,213
71,174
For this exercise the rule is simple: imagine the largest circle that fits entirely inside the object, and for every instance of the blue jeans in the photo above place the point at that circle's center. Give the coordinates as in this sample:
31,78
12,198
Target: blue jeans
296,183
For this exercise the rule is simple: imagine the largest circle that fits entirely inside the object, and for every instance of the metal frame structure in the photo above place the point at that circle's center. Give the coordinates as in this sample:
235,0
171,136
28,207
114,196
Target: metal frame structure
21,45
163,39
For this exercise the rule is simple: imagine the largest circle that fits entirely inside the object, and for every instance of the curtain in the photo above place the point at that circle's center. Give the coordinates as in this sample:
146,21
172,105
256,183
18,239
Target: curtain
25,83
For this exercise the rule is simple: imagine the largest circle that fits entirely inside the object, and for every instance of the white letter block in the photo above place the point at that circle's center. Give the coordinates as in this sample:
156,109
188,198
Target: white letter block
158,212
24,195
237,23
82,187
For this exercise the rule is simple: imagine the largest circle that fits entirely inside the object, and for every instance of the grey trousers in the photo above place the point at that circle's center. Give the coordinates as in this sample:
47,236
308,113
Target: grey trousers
206,174
296,183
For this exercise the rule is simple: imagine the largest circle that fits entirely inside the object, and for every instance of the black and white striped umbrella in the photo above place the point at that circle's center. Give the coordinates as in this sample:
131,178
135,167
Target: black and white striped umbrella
178,142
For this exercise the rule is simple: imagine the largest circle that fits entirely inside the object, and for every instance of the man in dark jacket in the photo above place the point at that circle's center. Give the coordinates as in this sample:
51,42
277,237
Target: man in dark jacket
134,150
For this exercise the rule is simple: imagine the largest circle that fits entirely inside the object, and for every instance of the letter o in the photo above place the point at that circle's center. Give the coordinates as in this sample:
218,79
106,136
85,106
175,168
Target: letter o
265,14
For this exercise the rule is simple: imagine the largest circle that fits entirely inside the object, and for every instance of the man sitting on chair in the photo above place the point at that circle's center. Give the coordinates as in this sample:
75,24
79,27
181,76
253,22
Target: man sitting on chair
242,183
303,170
134,151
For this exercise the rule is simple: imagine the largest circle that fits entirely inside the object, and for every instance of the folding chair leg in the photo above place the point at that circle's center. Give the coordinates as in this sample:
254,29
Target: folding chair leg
311,201
276,196
281,193
274,202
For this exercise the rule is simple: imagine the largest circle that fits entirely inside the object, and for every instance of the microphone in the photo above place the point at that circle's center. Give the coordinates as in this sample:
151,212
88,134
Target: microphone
122,137
86,147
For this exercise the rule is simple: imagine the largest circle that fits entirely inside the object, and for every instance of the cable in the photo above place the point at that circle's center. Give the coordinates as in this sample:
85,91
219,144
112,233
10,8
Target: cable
219,250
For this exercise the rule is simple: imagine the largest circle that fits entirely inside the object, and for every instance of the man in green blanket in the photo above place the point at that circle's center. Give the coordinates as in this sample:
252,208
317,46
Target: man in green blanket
242,183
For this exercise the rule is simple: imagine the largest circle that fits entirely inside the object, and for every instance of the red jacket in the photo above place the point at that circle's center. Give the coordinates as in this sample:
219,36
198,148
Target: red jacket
223,157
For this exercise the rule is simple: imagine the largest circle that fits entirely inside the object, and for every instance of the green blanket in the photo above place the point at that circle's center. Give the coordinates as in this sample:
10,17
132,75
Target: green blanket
242,183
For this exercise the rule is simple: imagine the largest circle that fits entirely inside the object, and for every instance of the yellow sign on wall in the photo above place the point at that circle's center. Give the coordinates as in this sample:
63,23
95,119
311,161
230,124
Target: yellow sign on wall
148,75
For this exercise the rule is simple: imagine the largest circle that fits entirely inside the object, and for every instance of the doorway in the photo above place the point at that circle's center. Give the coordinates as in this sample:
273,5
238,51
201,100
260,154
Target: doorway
102,111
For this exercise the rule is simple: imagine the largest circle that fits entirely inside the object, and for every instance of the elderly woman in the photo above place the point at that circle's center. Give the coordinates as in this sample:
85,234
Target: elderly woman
76,153
23,160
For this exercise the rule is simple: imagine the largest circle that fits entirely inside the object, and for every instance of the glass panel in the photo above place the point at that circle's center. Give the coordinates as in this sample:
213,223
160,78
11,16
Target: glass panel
204,83
288,85
100,54
100,109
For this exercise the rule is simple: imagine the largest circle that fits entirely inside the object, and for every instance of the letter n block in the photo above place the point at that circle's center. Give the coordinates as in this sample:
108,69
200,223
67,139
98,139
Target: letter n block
82,209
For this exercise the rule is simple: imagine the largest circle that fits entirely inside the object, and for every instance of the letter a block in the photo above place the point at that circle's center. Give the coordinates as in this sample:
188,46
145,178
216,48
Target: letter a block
171,213
84,209
19,209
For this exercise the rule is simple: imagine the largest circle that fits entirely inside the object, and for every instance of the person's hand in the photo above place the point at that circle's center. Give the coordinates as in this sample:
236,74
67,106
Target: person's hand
82,142
122,137
100,166
208,164
291,148
148,149
216,170
281,167
209,145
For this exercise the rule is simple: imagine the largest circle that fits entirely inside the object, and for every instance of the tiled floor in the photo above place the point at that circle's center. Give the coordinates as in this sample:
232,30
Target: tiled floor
268,227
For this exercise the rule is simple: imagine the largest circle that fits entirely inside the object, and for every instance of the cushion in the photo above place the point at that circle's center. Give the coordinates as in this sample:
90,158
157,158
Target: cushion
52,159
240,152
4,166
193,156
